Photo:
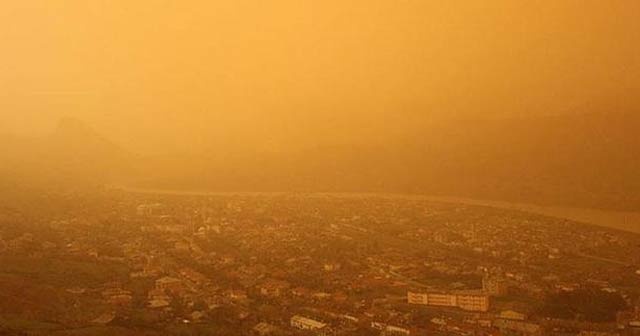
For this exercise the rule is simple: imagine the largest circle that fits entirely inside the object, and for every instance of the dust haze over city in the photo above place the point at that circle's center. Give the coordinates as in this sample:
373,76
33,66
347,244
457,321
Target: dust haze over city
320,167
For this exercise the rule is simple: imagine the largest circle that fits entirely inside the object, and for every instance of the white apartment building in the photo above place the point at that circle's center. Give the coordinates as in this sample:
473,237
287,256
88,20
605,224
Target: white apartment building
465,301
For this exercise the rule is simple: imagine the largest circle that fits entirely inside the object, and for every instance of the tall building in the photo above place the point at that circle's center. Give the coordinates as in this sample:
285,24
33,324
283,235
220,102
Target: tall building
494,285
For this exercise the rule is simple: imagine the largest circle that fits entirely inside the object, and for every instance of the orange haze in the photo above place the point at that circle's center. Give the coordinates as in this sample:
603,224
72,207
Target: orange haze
163,76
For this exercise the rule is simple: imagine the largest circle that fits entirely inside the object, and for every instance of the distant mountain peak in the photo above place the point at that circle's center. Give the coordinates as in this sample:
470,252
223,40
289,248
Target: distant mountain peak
68,125
76,136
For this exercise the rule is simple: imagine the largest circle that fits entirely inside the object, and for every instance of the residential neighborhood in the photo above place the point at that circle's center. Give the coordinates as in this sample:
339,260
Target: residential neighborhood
321,264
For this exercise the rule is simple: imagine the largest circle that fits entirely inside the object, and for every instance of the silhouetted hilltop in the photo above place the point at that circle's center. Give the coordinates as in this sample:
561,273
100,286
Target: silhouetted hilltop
74,155
579,159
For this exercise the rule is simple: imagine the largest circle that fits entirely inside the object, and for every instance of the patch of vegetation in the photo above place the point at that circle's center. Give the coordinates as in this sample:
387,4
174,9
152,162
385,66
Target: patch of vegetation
61,272
591,305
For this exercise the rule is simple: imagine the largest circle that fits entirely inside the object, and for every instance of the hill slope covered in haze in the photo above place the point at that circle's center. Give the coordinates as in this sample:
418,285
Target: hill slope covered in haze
581,159
73,156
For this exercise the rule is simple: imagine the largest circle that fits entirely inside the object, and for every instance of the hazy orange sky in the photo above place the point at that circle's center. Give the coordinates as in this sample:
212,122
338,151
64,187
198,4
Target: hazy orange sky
159,75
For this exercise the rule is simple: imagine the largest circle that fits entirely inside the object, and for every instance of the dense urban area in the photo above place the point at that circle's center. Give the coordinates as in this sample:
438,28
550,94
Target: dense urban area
123,263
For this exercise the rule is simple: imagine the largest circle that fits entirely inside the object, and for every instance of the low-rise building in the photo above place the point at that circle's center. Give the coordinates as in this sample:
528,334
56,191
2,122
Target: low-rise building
518,328
465,301
304,323
117,296
263,329
473,302
170,285
512,315
274,288
389,330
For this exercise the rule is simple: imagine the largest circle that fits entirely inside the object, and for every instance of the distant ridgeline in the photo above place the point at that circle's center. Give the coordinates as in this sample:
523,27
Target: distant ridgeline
576,160
587,160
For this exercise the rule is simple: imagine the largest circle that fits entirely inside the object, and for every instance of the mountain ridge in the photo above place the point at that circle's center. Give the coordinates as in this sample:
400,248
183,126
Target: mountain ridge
579,160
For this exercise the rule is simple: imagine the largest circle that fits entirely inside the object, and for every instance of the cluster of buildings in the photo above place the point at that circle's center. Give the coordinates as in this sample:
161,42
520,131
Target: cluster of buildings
325,265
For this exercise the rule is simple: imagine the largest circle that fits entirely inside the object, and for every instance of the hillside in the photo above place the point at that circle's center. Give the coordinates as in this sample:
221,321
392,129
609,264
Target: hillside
587,160
72,156
583,160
